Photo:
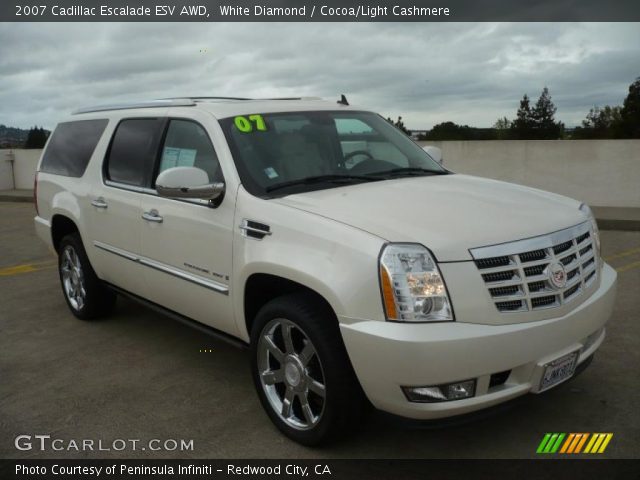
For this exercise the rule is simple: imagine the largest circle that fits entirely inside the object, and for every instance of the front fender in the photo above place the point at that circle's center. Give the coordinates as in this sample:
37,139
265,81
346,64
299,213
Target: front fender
337,261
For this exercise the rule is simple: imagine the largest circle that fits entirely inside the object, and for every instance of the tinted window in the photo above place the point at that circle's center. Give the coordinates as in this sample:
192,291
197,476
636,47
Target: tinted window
133,150
187,145
71,147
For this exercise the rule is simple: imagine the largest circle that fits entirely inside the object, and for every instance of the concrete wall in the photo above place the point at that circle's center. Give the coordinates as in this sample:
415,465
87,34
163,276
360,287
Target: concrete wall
598,172
604,173
24,168
6,170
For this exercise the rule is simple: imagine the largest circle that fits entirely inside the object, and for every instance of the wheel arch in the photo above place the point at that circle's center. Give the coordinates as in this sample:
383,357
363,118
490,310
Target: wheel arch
260,288
61,226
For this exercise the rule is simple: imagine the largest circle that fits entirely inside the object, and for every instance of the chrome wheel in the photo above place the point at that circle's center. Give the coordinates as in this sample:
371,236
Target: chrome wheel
73,278
291,374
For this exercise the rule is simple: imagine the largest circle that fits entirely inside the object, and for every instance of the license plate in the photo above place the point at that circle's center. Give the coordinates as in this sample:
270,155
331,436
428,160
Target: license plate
558,371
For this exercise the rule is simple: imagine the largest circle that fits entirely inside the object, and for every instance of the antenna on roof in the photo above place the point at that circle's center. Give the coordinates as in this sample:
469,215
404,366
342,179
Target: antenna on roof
343,100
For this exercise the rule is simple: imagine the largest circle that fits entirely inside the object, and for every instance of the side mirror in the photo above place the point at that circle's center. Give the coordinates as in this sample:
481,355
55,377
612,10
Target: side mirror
187,182
434,152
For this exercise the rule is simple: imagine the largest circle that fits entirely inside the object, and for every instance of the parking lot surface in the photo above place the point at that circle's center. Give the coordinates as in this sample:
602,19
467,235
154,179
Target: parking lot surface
140,375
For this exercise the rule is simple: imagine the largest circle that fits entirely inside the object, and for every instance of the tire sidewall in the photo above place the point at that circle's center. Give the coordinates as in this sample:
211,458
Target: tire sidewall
327,352
98,301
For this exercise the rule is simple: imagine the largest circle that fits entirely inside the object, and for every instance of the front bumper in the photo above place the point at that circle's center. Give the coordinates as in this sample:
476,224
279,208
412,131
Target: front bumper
389,355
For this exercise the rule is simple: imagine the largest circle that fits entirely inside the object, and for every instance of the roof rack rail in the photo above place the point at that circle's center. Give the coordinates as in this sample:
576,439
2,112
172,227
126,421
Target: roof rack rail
291,98
166,102
175,102
243,98
207,98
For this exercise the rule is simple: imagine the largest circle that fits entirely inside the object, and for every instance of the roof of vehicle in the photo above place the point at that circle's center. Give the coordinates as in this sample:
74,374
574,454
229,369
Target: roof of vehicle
222,107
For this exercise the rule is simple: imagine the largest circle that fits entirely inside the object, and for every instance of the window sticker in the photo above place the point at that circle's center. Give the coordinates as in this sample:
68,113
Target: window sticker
250,123
177,157
271,173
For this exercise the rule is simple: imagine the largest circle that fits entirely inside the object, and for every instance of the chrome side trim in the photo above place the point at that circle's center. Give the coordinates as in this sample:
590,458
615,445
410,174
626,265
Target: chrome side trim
151,191
162,267
117,251
131,188
528,244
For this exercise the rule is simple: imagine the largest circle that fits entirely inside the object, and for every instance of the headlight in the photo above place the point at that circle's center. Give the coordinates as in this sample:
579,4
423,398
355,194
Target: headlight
412,288
596,233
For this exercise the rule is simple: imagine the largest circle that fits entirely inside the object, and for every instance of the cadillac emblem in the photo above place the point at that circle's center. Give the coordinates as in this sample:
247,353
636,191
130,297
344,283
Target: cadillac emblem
557,275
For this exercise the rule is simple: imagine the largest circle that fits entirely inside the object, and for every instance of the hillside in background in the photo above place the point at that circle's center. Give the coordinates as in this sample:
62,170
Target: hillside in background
11,137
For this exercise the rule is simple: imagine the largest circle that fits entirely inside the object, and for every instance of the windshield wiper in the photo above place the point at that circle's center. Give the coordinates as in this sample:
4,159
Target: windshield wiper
343,179
407,172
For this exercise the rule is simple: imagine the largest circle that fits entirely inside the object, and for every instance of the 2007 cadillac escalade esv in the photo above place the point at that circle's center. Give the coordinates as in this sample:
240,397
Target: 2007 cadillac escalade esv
354,265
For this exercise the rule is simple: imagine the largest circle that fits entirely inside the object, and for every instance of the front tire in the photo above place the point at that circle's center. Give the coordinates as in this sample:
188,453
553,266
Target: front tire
302,372
86,295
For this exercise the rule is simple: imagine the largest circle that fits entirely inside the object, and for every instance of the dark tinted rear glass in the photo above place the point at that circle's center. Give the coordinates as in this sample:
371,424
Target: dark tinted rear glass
133,150
71,147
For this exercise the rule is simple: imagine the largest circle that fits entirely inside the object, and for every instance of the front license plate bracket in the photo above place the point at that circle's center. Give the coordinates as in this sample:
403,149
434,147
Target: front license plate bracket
558,371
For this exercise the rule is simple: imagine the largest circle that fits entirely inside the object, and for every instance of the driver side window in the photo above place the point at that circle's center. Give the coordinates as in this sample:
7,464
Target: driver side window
360,142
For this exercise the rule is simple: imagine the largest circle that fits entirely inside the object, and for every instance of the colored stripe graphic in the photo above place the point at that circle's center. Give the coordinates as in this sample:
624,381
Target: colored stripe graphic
567,443
550,443
543,443
574,443
581,443
598,442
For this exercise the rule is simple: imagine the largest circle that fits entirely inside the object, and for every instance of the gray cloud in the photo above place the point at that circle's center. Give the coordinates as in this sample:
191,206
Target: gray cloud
428,73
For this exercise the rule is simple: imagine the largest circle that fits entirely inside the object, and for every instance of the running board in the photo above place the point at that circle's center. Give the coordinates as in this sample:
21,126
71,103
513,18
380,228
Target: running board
213,332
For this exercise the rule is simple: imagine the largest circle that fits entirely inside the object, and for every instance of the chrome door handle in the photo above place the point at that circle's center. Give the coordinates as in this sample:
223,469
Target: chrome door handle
99,203
152,216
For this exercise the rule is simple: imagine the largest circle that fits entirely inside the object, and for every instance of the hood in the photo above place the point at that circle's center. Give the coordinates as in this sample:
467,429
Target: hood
448,214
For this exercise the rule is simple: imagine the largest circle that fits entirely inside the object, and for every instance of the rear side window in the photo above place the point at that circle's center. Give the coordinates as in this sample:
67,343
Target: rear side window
71,146
133,151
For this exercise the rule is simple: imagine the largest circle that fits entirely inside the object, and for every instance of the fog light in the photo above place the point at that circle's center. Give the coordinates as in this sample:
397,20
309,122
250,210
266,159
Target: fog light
441,393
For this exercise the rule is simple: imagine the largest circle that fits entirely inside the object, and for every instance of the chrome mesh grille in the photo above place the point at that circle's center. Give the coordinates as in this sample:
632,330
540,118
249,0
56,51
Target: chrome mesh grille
520,280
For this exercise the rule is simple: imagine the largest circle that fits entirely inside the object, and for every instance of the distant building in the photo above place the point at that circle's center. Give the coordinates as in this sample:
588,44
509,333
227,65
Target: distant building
416,134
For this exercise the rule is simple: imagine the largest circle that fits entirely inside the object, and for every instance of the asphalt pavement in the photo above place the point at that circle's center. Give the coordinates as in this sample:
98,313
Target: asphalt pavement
140,375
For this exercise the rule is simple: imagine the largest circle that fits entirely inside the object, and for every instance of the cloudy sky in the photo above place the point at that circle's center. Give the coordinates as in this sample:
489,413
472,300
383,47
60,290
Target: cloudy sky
428,73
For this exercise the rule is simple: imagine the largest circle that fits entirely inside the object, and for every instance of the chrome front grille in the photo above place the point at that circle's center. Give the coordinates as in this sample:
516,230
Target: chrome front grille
518,275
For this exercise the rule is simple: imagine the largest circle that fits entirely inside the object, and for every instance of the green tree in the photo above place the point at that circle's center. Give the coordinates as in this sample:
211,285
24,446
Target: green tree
36,138
600,123
630,113
452,131
543,118
400,125
502,127
522,126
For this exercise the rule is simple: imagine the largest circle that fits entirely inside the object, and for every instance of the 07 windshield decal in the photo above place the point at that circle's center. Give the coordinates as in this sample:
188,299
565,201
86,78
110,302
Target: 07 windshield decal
247,124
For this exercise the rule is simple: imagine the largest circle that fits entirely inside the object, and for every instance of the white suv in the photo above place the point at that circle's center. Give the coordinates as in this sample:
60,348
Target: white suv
353,264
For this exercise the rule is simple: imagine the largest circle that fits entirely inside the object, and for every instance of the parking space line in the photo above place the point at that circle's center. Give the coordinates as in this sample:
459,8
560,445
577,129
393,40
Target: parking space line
27,268
624,253
629,266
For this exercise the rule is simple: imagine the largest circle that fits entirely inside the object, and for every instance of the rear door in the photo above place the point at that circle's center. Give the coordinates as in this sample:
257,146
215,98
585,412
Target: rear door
116,202
187,243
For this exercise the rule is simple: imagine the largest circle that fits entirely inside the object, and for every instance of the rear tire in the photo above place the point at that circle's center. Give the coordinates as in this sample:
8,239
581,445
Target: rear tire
302,372
87,297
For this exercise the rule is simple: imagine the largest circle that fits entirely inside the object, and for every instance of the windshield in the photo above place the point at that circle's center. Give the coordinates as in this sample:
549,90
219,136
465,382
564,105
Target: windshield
283,153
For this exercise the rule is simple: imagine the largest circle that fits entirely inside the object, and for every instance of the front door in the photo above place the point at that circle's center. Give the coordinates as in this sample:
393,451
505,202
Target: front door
186,244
